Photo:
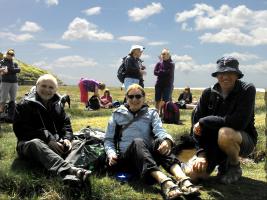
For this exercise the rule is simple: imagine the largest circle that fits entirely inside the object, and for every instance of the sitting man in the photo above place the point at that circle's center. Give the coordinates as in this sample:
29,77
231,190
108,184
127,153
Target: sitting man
224,124
44,131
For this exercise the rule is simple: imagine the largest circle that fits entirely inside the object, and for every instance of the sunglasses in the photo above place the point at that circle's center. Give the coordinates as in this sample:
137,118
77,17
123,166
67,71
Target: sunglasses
137,96
10,54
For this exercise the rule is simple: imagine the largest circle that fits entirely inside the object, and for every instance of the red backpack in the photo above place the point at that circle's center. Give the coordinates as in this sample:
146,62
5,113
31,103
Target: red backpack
171,113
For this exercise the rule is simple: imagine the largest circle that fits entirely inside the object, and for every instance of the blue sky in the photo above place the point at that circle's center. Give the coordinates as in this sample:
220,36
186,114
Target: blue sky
82,38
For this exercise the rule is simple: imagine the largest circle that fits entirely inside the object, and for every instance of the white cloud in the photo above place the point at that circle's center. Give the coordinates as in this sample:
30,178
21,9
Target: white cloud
158,43
82,29
16,38
235,36
242,56
238,25
74,61
145,56
138,14
132,38
92,11
52,2
54,46
30,27
260,67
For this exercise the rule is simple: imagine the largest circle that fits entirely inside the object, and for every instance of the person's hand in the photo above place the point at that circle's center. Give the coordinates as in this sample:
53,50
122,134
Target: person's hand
165,147
197,129
67,145
143,72
200,164
112,160
56,146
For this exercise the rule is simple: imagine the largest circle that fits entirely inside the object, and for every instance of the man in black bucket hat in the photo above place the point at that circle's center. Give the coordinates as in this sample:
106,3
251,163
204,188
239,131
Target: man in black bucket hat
223,124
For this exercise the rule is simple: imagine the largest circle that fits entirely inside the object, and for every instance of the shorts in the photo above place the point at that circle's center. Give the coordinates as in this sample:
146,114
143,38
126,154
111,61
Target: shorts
247,145
129,81
163,93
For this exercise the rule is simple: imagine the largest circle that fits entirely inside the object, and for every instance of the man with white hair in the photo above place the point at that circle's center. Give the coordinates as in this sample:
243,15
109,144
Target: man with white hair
44,131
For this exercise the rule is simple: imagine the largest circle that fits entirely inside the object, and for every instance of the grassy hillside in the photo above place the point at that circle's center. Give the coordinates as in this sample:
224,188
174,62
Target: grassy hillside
20,182
29,74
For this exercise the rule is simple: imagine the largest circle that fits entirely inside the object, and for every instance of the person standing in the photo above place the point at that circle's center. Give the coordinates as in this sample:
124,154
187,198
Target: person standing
134,68
164,70
224,124
89,85
9,85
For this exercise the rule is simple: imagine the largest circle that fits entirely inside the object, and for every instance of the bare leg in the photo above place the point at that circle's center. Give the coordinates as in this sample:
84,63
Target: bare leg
229,142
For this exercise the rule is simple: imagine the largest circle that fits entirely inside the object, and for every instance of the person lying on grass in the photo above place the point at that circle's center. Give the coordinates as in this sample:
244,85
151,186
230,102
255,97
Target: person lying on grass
223,124
44,132
144,145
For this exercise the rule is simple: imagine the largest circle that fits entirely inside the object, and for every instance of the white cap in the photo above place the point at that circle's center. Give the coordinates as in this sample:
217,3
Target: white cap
133,47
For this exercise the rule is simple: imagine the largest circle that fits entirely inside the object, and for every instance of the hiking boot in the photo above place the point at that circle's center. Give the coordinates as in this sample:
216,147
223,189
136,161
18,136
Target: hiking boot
230,174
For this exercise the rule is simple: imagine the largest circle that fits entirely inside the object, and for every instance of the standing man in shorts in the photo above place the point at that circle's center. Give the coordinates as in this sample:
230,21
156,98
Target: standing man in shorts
223,124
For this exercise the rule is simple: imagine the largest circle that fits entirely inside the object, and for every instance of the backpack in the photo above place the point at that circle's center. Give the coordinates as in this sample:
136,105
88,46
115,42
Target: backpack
94,103
91,151
121,73
171,113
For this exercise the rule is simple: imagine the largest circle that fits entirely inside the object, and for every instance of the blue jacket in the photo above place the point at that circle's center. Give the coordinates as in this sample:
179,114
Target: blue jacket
13,69
133,66
140,128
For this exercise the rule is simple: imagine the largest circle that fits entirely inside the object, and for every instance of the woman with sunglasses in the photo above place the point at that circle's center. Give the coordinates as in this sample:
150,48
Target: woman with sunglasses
164,70
9,86
142,145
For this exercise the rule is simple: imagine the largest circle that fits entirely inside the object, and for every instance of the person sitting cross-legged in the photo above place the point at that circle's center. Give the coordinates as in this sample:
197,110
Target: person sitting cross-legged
44,132
144,145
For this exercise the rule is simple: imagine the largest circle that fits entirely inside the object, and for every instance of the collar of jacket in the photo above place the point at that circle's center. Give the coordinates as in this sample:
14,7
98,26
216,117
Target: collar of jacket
124,109
35,98
217,89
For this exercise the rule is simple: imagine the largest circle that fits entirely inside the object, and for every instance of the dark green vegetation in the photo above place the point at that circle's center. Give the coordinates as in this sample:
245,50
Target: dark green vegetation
28,182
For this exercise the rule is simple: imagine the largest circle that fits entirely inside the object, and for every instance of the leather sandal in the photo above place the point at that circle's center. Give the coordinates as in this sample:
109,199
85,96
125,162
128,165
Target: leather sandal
188,189
167,189
81,173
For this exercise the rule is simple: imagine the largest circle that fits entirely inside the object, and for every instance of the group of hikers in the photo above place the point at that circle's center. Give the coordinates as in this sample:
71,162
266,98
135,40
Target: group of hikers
222,128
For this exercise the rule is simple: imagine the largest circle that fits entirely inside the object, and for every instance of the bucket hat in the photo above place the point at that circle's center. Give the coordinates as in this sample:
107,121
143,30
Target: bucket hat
228,64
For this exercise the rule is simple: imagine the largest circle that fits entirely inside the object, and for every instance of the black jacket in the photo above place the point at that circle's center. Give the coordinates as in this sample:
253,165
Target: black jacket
33,120
13,69
132,66
236,111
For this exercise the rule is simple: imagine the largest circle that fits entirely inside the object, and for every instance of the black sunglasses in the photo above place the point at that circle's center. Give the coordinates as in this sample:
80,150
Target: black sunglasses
137,96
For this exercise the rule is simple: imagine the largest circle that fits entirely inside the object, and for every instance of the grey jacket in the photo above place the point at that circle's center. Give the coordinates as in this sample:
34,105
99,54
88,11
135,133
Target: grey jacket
140,128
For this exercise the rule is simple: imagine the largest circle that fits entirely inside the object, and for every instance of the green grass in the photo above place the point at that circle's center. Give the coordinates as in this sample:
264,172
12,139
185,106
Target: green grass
23,181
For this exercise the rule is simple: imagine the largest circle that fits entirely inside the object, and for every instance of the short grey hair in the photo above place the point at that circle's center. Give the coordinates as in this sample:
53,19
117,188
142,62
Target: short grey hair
47,77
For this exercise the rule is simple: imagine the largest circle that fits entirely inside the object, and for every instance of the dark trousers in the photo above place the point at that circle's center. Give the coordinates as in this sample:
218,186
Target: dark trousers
38,151
141,159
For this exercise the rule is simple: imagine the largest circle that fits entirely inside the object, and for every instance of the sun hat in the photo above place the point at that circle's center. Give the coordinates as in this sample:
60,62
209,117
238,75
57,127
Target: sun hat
133,47
228,64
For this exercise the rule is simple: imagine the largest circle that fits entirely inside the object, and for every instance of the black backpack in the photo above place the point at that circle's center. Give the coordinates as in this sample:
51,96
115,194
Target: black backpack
94,103
122,70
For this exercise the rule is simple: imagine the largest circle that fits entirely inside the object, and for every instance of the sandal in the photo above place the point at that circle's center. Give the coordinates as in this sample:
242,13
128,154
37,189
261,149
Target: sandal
188,189
166,190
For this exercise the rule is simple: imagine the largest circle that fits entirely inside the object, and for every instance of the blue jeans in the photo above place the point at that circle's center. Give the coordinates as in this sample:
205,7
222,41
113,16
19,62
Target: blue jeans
130,81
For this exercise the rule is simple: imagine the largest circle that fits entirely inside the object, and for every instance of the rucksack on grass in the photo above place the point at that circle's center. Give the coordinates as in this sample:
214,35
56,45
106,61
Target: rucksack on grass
170,113
93,103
